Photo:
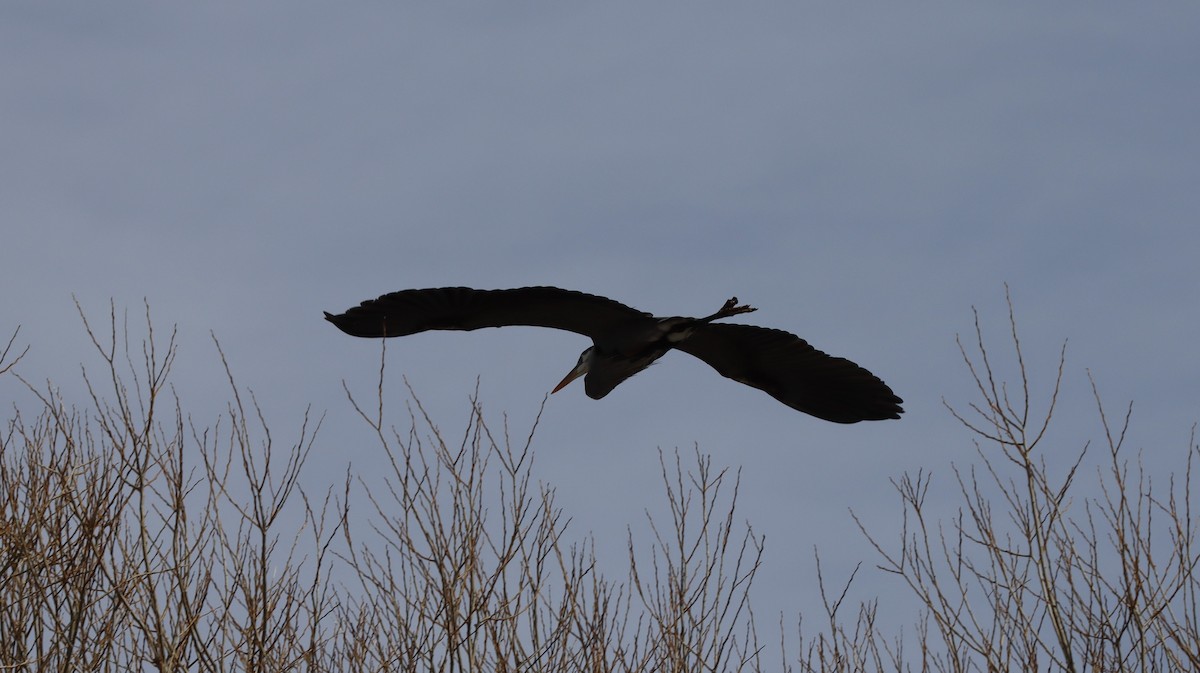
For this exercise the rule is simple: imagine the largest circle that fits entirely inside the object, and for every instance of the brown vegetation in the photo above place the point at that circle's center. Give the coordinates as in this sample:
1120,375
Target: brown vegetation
132,538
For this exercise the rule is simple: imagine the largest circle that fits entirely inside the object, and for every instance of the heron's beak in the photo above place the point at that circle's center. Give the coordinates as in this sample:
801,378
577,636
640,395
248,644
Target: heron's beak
579,370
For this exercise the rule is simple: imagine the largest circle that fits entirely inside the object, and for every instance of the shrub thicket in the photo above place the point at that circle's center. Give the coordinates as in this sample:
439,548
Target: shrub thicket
131,538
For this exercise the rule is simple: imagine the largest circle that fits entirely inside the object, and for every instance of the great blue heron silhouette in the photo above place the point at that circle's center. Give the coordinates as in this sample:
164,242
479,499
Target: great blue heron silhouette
625,341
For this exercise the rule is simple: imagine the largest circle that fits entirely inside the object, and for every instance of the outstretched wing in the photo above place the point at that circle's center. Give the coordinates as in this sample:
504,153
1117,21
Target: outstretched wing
462,308
793,372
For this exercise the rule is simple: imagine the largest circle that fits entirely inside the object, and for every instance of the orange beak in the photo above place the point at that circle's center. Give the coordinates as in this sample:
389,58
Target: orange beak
579,370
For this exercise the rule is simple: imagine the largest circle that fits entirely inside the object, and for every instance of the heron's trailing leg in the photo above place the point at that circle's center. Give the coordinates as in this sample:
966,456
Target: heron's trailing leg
730,308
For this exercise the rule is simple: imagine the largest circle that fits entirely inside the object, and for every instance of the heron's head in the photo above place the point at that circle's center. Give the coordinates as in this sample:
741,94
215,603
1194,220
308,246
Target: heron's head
581,368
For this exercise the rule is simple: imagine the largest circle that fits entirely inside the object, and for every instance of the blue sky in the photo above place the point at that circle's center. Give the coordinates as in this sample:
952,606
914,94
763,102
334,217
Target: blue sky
863,173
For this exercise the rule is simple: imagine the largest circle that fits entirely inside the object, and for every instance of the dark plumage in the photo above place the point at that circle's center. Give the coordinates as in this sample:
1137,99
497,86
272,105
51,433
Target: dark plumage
626,341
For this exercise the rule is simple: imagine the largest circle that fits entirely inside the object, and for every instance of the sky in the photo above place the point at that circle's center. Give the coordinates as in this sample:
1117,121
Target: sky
862,173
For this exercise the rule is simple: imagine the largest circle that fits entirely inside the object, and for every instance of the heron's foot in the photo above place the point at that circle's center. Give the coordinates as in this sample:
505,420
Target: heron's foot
731,308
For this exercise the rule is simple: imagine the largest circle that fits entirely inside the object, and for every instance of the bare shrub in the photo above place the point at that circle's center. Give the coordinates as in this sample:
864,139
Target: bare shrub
468,568
1031,574
121,551
132,537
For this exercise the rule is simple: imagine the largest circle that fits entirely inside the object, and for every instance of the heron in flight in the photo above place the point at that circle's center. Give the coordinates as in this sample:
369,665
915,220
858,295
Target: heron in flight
625,341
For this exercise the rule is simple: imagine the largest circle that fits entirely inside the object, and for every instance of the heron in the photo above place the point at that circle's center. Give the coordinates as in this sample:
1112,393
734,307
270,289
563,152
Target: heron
626,341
